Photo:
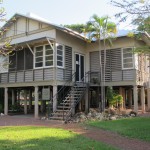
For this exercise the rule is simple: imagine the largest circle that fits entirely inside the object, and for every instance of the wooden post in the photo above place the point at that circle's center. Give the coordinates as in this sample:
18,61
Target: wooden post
124,97
135,93
130,98
25,102
148,99
72,101
6,101
143,99
87,101
36,105
122,92
42,106
13,97
55,97
30,99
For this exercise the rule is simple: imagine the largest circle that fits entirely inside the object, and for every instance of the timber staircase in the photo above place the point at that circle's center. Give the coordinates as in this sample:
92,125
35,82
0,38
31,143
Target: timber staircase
69,102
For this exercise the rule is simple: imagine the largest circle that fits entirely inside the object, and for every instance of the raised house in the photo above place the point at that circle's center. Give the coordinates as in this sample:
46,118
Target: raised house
55,66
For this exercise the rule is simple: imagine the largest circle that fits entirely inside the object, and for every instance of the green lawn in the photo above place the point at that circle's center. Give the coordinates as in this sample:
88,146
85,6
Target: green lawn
134,127
44,138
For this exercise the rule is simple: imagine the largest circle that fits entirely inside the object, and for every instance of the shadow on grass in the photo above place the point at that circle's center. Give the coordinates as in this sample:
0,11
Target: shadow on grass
58,141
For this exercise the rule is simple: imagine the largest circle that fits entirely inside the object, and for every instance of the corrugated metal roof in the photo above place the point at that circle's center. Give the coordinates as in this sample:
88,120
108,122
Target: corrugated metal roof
120,33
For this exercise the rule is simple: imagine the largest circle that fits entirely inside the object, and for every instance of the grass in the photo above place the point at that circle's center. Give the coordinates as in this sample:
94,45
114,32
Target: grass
44,138
138,128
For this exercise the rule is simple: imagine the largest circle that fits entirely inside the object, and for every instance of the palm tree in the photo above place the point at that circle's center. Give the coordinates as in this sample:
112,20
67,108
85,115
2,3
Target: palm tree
100,28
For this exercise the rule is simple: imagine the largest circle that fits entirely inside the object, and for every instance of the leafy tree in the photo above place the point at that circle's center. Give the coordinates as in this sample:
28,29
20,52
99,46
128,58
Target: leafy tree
76,27
139,10
113,98
144,25
5,47
101,28
117,100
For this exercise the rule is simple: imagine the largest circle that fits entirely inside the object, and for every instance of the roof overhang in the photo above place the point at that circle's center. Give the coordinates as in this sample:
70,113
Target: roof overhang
34,41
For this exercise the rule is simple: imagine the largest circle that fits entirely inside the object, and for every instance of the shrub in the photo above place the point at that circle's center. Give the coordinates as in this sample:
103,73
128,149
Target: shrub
113,98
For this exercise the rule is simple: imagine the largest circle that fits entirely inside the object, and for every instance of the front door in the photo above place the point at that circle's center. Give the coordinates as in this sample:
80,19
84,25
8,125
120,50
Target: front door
79,67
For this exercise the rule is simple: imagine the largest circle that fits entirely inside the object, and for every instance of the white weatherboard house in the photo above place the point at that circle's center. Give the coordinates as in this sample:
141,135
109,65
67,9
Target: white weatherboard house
57,66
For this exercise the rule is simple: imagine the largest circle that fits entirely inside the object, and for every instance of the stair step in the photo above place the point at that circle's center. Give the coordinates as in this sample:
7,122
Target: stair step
72,98
75,93
58,114
72,94
75,90
67,100
79,87
66,104
60,110
63,107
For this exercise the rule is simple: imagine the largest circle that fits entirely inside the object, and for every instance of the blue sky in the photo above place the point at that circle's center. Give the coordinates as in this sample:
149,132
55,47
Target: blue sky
61,11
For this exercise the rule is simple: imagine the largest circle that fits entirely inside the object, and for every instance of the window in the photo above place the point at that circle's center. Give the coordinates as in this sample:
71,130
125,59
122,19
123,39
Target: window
43,56
4,63
127,58
39,56
60,55
48,55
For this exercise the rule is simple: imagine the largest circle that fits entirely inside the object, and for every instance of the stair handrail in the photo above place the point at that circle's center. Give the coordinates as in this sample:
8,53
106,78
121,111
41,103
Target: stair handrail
83,80
62,88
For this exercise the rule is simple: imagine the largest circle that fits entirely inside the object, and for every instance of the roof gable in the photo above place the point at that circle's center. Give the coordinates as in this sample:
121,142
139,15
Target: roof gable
19,24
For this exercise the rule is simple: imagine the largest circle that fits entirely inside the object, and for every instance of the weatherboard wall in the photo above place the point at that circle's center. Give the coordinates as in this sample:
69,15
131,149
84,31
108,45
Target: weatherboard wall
77,45
114,74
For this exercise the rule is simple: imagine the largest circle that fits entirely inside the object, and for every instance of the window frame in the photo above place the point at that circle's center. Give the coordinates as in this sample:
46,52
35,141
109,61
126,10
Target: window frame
48,55
35,57
133,59
63,56
43,56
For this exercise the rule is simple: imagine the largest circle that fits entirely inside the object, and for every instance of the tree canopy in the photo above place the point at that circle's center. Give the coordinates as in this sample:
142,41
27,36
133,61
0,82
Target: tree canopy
100,28
5,47
137,10
144,25
76,27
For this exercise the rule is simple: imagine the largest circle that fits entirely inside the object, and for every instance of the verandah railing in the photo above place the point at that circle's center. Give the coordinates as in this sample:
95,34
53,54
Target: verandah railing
64,75
113,76
31,75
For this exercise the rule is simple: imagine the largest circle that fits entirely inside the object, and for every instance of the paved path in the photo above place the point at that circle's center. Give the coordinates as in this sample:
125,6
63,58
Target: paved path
97,134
